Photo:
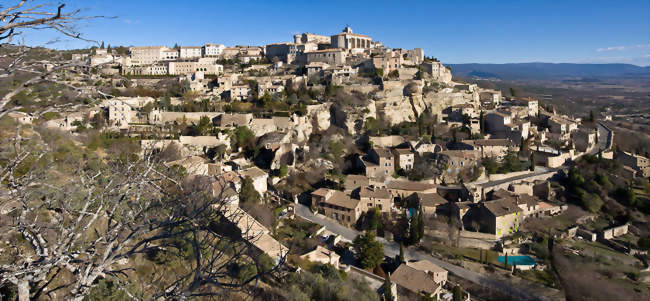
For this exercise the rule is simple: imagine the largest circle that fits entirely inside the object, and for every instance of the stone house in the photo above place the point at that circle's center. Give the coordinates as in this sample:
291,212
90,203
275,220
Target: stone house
234,119
372,196
333,56
402,188
413,283
379,163
439,274
560,125
336,205
490,148
457,160
531,104
438,71
316,68
322,255
404,158
500,217
352,182
238,92
259,177
428,201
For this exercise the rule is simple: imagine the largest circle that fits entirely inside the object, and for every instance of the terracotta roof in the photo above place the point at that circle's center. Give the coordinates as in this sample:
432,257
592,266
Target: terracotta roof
502,207
490,142
321,192
466,154
382,152
339,198
414,280
426,266
429,199
403,151
354,181
410,185
374,192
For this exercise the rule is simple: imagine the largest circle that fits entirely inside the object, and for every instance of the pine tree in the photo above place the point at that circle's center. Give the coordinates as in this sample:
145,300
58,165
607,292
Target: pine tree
388,293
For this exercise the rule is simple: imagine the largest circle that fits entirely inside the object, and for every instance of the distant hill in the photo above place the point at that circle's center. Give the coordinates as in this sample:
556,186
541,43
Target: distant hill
548,70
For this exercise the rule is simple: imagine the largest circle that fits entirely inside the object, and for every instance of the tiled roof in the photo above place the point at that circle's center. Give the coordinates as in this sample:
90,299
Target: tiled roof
414,280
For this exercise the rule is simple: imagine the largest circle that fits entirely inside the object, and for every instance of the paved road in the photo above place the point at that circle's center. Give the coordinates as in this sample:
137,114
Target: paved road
391,249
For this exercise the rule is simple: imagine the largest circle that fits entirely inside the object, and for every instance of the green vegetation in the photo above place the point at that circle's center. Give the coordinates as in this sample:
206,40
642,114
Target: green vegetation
369,250
322,283
388,293
248,194
595,180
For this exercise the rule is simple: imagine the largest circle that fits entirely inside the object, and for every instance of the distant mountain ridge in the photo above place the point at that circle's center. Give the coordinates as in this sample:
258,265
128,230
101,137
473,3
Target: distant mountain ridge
514,71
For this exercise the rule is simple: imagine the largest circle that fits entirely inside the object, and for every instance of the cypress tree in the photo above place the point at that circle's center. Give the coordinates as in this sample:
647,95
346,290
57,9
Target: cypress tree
388,294
102,46
532,161
420,223
402,258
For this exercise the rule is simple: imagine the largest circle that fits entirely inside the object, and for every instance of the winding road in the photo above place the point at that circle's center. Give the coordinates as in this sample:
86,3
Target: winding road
529,291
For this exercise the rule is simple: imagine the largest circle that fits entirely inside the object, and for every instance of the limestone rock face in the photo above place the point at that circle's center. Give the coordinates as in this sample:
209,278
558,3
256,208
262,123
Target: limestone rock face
395,109
320,116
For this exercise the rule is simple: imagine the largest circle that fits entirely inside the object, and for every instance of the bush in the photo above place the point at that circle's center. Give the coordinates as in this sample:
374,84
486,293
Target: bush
644,243
50,116
284,170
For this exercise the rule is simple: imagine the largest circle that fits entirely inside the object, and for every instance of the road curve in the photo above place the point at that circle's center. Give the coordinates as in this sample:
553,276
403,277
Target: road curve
391,249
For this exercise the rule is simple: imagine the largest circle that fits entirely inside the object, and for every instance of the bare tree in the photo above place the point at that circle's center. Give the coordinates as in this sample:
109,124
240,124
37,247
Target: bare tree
71,220
83,221
25,15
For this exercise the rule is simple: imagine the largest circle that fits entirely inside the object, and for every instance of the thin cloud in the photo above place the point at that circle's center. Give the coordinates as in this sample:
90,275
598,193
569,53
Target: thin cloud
129,21
621,48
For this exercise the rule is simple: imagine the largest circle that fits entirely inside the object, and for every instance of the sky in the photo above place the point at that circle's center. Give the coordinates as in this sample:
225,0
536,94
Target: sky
467,31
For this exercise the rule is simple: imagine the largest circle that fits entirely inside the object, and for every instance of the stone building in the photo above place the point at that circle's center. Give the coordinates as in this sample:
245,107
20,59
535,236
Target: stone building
335,56
372,196
379,163
351,41
147,55
307,37
213,50
404,158
190,52
336,205
500,217
490,148
438,71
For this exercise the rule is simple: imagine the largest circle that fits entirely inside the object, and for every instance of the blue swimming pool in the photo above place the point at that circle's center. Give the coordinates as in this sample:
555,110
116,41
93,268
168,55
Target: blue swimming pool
518,260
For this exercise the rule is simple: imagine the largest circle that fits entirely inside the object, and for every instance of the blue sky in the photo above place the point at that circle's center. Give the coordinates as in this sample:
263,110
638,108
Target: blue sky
453,31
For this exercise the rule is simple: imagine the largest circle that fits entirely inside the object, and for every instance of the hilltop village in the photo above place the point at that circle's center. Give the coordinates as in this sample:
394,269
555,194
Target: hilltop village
333,148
